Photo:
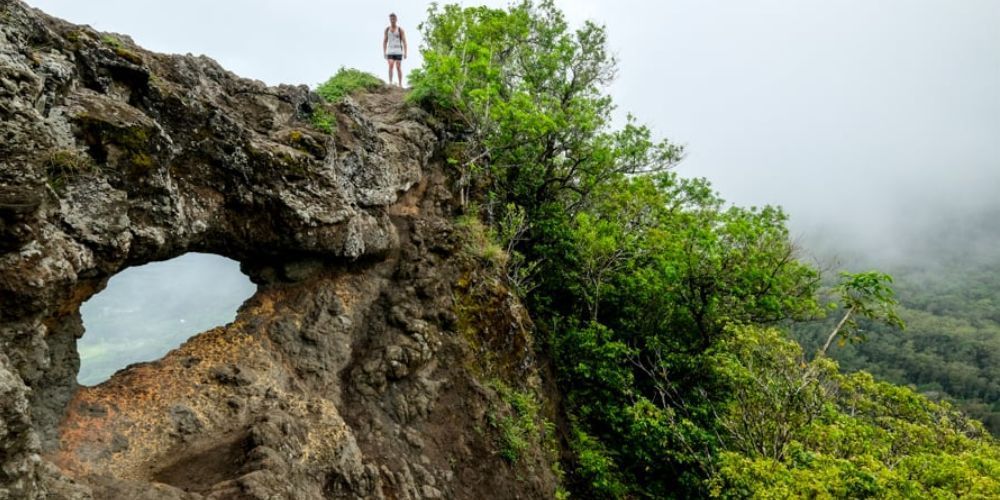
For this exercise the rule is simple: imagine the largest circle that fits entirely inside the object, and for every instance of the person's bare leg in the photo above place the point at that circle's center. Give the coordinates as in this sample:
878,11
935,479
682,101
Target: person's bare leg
399,72
390,71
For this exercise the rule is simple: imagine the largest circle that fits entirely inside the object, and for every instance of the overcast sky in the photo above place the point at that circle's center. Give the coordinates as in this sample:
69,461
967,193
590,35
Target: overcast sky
867,115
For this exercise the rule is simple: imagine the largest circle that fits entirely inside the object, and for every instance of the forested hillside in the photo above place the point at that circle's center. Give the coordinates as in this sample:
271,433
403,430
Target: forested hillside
665,312
950,349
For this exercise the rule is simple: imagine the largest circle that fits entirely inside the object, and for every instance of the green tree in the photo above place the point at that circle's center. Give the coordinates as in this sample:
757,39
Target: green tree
660,307
950,349
797,429
773,394
528,94
867,295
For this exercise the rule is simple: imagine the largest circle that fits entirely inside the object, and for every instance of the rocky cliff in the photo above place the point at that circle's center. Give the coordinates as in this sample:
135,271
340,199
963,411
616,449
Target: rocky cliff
366,366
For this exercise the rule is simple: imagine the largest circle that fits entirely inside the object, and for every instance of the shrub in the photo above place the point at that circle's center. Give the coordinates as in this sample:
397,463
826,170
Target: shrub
346,81
323,120
518,427
480,240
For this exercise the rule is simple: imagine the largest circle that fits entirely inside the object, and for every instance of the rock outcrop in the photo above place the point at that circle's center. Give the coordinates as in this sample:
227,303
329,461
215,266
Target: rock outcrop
352,373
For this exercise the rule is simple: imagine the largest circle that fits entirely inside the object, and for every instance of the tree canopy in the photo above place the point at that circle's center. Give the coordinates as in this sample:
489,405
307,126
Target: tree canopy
664,310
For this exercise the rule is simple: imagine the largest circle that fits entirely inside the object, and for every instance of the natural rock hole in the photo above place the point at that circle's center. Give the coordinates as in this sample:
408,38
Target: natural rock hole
148,310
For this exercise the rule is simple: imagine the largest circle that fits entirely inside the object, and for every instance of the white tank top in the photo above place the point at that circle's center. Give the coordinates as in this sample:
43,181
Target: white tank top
395,47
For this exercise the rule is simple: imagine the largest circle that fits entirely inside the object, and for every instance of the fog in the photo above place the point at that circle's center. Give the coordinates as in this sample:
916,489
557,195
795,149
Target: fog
875,124
146,311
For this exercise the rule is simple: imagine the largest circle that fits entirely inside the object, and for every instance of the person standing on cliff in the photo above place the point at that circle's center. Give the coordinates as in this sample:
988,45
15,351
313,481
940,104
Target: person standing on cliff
394,48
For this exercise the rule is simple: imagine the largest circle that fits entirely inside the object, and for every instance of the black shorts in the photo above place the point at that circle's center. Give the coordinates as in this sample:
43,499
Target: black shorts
394,57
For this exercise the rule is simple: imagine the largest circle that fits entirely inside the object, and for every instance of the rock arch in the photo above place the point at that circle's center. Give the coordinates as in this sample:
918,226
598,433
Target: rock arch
149,310
330,381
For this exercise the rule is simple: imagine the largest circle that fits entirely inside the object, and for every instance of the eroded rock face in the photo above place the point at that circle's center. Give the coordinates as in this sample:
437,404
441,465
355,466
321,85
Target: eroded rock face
343,377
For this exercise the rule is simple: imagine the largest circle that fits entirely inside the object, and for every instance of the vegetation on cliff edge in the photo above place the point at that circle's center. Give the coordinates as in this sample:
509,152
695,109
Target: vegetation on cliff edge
345,81
665,311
